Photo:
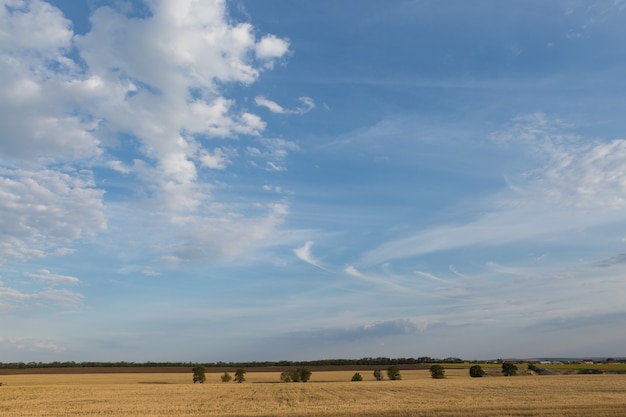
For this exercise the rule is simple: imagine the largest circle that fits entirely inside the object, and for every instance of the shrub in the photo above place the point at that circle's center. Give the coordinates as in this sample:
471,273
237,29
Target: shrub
226,377
509,369
378,375
476,371
393,372
437,372
357,377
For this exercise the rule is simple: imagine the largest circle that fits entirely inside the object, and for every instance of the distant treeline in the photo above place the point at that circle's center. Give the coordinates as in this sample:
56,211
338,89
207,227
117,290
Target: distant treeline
323,362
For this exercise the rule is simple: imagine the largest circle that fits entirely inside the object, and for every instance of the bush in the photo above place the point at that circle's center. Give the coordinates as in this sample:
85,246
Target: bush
437,372
378,375
357,377
226,377
393,372
509,369
199,374
476,371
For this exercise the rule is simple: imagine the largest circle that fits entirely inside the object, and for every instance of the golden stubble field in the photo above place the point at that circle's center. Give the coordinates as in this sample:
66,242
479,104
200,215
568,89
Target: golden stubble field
327,394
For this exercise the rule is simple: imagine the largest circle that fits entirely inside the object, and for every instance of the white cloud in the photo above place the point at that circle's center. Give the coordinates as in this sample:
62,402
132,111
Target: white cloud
10,297
304,254
223,237
30,345
156,79
46,275
43,210
216,159
576,176
274,152
119,167
36,121
271,47
307,105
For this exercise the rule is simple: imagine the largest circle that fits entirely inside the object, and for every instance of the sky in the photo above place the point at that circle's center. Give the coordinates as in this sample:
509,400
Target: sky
244,180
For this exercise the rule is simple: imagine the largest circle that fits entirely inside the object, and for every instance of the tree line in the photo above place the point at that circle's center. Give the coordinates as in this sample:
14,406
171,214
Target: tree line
379,361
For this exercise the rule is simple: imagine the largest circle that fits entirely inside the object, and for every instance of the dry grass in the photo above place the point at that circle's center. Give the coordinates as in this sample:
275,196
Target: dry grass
327,394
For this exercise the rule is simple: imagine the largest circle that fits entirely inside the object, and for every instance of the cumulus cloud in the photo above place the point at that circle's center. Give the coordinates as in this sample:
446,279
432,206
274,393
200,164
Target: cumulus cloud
271,47
150,86
36,123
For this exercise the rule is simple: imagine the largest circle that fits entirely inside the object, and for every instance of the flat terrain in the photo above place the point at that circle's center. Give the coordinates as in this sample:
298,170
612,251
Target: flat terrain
327,394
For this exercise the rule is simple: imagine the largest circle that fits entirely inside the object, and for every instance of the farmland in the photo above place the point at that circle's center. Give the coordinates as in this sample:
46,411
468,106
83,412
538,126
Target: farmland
328,393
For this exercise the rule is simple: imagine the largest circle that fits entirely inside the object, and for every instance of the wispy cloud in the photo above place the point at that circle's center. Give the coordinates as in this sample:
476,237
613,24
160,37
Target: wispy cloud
552,200
10,297
31,345
304,254
307,105
47,276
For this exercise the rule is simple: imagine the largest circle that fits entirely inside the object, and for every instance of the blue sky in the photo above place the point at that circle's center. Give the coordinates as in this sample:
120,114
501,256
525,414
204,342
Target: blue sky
267,180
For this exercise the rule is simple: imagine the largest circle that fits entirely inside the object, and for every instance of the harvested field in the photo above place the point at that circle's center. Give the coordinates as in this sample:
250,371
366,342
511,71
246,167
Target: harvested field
327,394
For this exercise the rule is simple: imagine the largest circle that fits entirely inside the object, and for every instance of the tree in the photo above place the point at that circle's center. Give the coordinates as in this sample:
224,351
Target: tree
286,376
199,374
357,377
509,369
437,371
533,367
476,371
304,374
240,375
378,375
226,377
393,372
301,374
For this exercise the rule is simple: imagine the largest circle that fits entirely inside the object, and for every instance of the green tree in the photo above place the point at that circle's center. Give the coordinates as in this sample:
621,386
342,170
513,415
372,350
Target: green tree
534,368
378,375
199,374
240,375
357,377
476,371
437,372
301,374
393,373
226,377
304,374
286,376
509,369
